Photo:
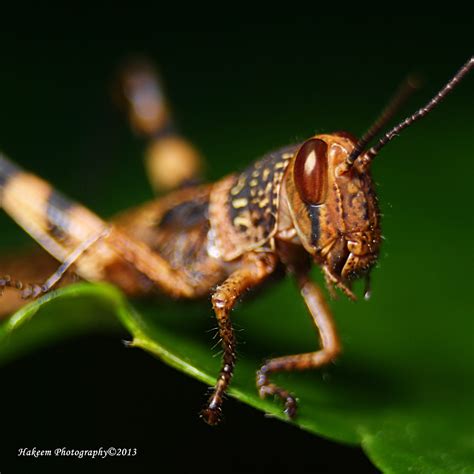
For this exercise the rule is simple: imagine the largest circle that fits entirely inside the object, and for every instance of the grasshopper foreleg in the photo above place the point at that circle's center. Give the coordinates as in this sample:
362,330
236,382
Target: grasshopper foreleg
330,347
256,267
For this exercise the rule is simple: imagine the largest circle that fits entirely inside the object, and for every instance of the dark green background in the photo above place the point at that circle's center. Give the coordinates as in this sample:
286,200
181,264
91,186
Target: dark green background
237,94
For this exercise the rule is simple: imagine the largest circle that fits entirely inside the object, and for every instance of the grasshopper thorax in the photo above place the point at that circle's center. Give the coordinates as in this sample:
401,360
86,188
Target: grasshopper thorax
334,209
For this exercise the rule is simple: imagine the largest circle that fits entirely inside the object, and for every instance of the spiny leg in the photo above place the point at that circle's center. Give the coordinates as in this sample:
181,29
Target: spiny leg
33,290
256,267
170,160
330,347
31,265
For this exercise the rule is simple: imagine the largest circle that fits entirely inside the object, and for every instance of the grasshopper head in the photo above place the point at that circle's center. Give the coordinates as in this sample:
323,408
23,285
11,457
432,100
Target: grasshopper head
330,191
334,208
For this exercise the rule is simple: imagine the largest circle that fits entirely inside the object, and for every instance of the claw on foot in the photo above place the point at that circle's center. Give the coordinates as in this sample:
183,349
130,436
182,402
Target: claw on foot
30,290
212,415
266,388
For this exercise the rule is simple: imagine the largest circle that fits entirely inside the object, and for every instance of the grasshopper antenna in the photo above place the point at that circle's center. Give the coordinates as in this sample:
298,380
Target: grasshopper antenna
420,113
408,86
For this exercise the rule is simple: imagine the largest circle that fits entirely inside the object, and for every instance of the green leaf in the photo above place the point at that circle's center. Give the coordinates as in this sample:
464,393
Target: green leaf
404,413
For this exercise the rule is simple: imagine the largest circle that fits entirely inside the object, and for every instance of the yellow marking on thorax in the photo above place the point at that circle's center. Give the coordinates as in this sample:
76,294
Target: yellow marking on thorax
243,221
238,203
239,186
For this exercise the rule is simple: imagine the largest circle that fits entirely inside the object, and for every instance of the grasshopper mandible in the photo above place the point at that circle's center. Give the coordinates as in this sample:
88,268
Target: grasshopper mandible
307,203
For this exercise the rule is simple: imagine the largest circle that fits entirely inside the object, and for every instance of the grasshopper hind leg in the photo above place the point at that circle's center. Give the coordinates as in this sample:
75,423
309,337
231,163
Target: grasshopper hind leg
171,161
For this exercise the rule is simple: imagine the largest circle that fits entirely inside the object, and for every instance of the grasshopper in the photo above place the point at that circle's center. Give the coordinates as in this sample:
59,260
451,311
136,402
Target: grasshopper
303,204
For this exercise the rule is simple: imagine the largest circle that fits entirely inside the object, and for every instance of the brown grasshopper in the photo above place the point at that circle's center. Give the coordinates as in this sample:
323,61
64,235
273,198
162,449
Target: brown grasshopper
311,202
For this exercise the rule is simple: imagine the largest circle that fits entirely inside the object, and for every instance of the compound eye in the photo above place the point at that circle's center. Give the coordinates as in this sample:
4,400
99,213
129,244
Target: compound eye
311,171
